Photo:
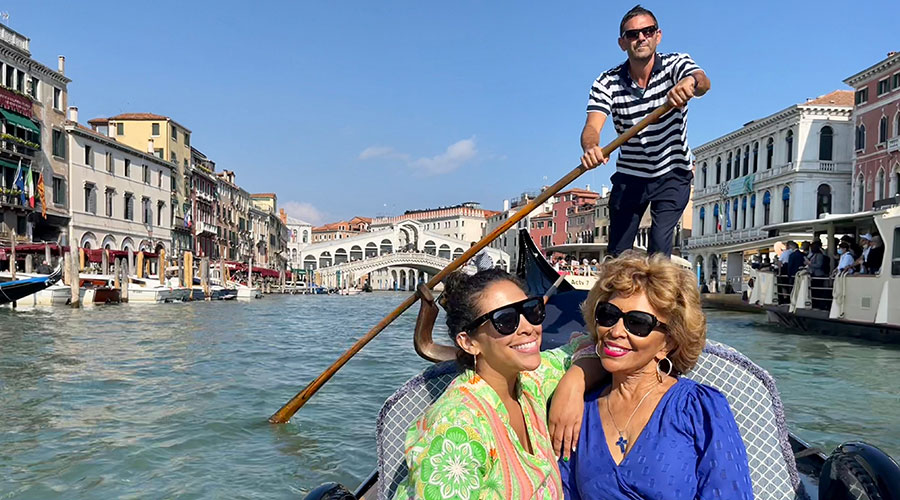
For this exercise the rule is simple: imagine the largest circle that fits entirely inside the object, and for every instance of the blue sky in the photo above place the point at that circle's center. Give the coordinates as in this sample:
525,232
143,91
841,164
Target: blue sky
372,108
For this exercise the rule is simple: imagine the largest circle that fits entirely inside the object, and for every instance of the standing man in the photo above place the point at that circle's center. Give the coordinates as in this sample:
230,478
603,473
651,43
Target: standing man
654,167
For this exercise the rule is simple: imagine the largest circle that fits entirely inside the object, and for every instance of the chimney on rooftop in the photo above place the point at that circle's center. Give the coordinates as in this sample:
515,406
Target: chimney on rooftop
150,146
73,114
505,205
61,67
892,53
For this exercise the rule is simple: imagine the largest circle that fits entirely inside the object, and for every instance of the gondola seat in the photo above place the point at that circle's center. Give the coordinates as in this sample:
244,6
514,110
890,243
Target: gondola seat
750,391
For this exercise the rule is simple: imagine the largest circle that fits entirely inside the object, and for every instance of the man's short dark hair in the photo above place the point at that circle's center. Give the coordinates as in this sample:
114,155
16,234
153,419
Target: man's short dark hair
635,11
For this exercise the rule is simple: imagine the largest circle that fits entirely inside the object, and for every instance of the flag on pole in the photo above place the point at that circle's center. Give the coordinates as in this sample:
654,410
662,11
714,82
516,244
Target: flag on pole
40,190
20,183
29,186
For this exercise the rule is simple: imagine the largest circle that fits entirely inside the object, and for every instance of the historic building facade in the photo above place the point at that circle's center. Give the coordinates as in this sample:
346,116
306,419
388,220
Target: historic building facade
509,241
876,138
792,165
203,205
119,196
465,221
33,103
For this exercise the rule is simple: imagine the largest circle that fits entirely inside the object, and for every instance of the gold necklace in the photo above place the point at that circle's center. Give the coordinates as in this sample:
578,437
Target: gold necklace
622,443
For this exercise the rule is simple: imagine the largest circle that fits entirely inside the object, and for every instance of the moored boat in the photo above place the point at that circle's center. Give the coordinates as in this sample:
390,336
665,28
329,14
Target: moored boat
15,290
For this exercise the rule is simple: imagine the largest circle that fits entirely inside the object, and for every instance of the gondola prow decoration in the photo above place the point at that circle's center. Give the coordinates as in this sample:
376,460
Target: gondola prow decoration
287,411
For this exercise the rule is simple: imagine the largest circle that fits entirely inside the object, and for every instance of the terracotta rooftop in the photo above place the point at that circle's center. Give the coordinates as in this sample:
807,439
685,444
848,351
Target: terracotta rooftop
836,98
138,116
263,195
98,121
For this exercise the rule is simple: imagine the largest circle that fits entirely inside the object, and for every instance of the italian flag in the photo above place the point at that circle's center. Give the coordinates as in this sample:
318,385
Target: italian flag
29,187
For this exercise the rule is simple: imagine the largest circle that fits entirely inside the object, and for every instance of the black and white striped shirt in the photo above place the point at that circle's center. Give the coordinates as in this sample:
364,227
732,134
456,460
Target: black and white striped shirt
662,146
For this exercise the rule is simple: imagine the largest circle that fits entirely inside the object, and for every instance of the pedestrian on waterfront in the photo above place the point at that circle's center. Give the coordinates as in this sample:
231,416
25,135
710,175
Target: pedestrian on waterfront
486,436
651,433
44,268
653,168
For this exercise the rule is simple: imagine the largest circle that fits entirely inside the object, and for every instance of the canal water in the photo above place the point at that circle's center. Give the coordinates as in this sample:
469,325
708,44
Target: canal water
171,401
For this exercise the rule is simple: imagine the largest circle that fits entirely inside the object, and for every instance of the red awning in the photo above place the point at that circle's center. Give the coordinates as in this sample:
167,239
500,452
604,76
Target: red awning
36,248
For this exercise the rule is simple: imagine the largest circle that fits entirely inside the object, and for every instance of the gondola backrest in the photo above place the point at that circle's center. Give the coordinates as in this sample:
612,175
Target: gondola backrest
750,391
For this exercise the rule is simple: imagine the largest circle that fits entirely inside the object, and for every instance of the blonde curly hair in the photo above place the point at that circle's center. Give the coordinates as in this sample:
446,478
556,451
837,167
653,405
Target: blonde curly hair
671,291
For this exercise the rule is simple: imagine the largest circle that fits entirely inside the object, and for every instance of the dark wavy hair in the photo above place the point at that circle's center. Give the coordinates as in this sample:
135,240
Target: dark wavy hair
460,299
635,11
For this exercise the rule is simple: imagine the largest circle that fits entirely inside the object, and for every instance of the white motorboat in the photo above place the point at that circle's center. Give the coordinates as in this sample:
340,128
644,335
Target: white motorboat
149,291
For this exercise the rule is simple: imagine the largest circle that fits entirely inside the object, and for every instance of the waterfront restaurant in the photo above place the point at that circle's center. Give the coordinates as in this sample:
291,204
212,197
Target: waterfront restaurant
792,165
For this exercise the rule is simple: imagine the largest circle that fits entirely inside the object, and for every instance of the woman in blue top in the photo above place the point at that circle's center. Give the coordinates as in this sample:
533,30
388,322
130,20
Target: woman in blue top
651,434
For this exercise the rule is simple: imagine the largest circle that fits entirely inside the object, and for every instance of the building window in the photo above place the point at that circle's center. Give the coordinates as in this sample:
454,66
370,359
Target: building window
703,174
146,174
129,206
884,86
174,134
57,99
770,152
146,211
755,156
702,221
59,191
786,204
823,200
753,210
734,218
88,156
896,82
883,130
746,168
109,163
120,129
187,139
860,137
90,199
744,212
826,141
110,196
127,167
59,143
862,96
789,144
159,212
860,192
717,224
159,153
718,170
173,157
35,90
154,130
879,184
767,205
728,168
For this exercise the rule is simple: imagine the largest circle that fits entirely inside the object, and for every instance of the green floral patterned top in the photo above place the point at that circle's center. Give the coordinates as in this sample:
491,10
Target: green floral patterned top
464,447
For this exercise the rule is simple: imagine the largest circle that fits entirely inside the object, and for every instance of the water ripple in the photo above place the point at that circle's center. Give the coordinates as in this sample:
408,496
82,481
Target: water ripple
171,401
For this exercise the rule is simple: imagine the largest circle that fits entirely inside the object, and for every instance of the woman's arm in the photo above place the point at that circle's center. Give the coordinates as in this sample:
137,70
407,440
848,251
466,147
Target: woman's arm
567,405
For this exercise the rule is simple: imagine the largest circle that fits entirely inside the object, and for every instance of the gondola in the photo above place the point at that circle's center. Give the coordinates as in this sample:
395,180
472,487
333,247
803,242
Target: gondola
782,465
12,291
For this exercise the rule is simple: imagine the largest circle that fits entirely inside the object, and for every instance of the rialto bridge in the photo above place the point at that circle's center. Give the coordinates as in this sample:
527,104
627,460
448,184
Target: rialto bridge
395,258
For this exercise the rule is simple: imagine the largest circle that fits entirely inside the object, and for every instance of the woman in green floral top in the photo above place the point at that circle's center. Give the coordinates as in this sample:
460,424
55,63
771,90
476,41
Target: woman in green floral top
487,436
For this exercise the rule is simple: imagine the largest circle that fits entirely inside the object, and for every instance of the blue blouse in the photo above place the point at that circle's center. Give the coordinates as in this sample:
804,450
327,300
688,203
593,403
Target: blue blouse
691,448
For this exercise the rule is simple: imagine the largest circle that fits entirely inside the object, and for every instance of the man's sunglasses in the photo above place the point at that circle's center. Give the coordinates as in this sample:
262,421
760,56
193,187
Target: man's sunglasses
638,323
633,34
506,319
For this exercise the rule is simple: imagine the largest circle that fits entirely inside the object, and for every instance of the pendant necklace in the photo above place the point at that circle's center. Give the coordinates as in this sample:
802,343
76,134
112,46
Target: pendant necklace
622,443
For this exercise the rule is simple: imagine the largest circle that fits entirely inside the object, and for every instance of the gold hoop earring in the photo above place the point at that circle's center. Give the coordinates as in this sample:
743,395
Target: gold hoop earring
597,350
475,363
659,373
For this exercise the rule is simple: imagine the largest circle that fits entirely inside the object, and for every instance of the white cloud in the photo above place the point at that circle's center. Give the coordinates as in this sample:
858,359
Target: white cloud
376,152
456,155
304,211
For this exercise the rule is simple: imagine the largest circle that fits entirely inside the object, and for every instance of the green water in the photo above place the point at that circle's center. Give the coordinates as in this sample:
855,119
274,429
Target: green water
171,400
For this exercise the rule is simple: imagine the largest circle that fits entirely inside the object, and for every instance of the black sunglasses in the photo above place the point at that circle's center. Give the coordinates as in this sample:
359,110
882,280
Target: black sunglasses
506,319
647,31
638,323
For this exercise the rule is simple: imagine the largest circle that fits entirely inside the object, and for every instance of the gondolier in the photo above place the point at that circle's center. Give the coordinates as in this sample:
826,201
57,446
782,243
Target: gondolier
654,168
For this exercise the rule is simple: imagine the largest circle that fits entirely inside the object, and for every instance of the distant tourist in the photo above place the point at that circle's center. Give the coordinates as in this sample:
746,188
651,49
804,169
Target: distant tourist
654,169
818,262
875,256
44,268
845,264
796,259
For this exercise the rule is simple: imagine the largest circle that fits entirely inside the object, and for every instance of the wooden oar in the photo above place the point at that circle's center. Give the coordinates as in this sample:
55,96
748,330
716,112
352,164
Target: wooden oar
287,411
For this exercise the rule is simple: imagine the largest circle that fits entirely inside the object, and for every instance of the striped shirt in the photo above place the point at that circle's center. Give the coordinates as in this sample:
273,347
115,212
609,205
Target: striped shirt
662,146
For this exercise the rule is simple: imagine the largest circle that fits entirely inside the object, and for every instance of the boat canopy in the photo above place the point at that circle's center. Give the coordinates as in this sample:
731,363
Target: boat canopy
837,220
